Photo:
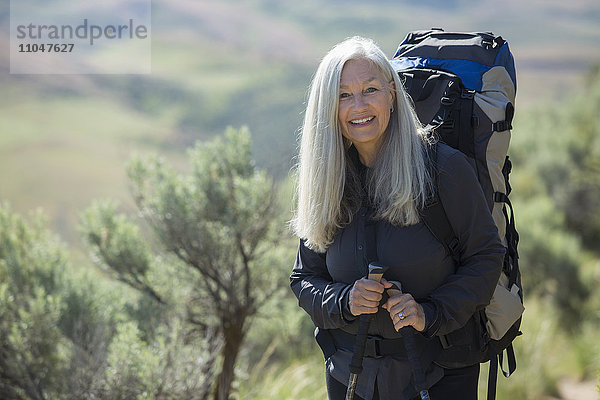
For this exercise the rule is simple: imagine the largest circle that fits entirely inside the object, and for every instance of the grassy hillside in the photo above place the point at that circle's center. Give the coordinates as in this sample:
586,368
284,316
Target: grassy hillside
64,139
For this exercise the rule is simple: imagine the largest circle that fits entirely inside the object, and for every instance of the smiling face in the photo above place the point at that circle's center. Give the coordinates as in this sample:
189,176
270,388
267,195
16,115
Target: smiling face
365,100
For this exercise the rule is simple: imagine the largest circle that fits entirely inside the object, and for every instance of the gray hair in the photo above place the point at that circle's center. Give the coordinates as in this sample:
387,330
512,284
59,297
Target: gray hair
398,182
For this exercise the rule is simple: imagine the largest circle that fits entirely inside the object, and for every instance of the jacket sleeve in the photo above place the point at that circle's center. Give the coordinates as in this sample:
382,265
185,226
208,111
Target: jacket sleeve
471,287
317,294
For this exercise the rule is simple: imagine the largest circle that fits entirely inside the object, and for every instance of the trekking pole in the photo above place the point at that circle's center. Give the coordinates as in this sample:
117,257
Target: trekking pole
375,273
411,349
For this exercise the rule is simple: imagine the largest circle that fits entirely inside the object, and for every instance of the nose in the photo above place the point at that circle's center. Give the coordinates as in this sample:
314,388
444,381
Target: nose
359,102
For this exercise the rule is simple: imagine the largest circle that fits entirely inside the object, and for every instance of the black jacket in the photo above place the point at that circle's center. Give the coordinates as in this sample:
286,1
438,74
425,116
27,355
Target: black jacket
449,294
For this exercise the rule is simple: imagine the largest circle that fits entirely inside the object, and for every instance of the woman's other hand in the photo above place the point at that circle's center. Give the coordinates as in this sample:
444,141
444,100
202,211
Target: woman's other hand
405,311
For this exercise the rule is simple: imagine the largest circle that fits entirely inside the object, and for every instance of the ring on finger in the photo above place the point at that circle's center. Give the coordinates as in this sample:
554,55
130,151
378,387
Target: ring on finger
401,315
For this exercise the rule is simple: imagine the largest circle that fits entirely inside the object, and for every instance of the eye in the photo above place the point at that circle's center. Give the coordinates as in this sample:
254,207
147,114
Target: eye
371,90
344,95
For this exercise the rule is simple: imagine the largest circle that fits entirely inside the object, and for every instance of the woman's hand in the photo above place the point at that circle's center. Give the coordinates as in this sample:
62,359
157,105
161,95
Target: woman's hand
365,295
405,311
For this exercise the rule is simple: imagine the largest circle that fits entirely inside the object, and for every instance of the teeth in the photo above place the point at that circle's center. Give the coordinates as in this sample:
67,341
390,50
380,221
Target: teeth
361,121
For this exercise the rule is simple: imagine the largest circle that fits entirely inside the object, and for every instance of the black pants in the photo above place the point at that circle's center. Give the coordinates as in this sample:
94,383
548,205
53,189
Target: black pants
460,383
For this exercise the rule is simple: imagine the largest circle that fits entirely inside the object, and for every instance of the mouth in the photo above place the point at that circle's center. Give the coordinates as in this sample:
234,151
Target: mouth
362,121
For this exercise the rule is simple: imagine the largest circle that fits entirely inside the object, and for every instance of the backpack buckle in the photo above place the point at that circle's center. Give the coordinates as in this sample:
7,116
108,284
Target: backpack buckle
467,94
501,126
447,101
372,348
453,247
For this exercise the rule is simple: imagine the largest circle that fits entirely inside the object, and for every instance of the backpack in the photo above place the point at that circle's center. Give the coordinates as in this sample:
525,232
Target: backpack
463,87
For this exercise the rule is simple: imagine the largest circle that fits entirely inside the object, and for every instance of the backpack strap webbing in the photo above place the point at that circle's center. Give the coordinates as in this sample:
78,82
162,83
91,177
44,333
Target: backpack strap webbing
433,214
492,378
496,361
466,141
511,360
511,259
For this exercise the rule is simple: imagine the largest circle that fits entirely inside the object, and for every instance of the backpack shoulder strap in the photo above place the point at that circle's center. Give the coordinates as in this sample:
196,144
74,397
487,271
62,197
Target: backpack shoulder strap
434,215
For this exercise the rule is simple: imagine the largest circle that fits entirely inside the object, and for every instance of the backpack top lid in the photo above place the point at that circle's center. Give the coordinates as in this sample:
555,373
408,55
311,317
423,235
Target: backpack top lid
467,55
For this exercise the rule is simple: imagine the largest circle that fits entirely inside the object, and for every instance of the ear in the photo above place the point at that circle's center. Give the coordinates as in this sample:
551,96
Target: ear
392,89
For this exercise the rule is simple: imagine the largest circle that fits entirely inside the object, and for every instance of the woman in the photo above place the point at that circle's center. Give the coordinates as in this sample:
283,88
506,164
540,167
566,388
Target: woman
362,179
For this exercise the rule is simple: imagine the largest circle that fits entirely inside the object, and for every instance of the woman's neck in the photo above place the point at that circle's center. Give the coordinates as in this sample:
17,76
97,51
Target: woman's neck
366,156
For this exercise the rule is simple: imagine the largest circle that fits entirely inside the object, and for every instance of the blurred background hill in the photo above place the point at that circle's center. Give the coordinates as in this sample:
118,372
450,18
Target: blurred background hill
215,63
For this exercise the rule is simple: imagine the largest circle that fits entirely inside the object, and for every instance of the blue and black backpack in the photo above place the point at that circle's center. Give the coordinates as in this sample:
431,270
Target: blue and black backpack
463,87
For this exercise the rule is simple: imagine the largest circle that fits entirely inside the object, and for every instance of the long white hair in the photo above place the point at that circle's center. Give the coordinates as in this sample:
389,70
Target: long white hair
398,182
